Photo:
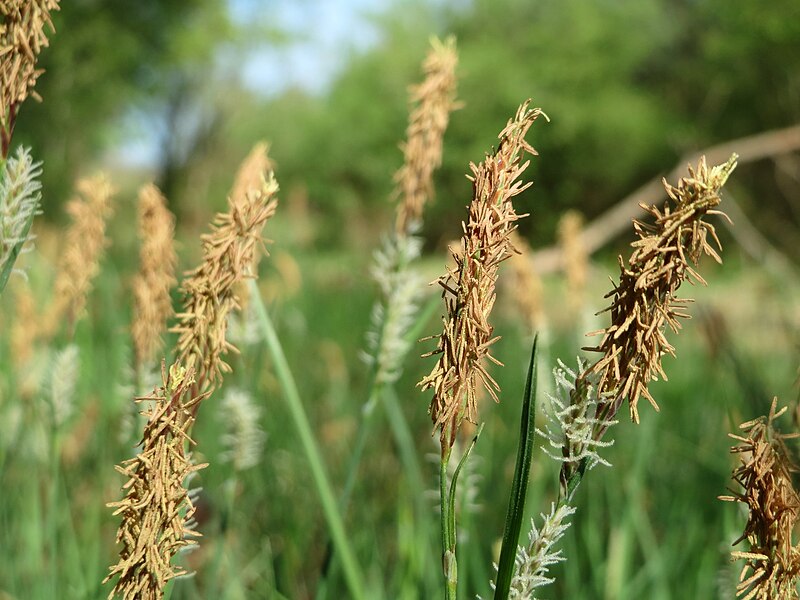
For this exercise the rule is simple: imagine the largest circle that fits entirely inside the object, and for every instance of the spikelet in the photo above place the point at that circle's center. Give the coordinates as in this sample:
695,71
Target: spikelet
157,509
152,305
63,380
571,419
469,287
80,258
209,290
534,560
435,100
772,562
644,301
250,172
244,439
20,198
22,37
399,283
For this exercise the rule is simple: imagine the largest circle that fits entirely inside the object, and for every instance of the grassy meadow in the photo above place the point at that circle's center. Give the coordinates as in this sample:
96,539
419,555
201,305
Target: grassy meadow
295,412
651,525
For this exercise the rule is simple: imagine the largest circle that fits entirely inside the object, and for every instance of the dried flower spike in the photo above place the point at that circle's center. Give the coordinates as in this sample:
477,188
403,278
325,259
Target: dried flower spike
152,305
469,288
435,100
644,301
765,471
250,172
157,509
22,37
209,290
80,258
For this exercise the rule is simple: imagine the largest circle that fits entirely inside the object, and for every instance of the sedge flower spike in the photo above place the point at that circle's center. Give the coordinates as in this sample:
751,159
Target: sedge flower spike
469,287
644,304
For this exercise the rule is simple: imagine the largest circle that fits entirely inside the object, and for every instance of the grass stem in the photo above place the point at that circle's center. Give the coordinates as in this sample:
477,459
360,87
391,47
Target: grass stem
352,571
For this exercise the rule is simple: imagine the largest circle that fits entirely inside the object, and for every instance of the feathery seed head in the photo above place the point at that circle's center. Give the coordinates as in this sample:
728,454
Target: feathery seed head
765,475
157,510
244,439
644,302
209,290
394,314
22,37
63,380
152,305
83,249
20,198
571,419
434,100
250,172
469,287
534,560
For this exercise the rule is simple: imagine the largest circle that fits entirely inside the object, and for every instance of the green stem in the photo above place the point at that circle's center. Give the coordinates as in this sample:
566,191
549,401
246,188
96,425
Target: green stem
352,571
449,565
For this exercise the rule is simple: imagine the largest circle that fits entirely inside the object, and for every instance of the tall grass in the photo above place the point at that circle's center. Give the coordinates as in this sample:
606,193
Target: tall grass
270,459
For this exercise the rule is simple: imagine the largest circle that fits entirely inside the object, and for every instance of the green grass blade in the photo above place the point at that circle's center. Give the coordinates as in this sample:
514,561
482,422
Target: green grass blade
519,487
330,509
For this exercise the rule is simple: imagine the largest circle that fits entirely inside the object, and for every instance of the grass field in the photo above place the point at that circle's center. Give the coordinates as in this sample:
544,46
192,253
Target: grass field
651,525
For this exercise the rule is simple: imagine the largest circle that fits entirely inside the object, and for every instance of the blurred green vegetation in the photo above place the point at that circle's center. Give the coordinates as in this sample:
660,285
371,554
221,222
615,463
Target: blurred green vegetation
629,86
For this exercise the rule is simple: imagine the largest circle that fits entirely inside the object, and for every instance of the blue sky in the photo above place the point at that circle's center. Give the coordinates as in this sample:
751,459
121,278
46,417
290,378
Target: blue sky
323,33
326,31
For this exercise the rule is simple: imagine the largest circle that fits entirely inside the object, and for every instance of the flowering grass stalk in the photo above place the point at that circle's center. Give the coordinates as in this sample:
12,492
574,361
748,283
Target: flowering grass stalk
764,474
20,199
469,294
586,402
83,249
152,305
644,304
210,290
157,509
22,37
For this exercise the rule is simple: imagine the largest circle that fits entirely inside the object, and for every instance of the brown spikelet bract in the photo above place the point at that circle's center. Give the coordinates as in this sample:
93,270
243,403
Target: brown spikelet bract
209,290
765,475
151,286
157,509
80,258
434,100
22,37
644,301
469,287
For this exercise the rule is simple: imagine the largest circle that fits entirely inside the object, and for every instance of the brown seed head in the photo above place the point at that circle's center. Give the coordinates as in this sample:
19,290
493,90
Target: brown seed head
251,172
152,305
434,100
157,509
209,290
765,475
644,301
83,249
469,287
22,37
